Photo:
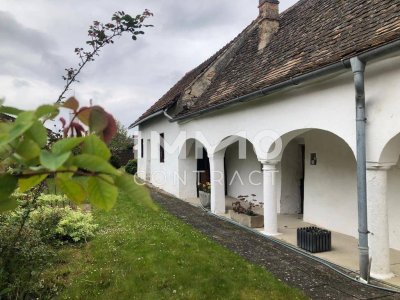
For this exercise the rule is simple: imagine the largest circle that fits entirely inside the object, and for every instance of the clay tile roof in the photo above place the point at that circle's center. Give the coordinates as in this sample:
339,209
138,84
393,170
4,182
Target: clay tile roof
312,34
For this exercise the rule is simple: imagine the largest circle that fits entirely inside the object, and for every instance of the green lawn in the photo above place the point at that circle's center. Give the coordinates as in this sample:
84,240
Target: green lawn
145,253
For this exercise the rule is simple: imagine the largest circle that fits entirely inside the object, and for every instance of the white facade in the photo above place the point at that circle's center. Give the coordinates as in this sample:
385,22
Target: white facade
315,118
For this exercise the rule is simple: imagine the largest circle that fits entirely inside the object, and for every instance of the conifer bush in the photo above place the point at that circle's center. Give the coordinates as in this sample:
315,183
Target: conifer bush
131,167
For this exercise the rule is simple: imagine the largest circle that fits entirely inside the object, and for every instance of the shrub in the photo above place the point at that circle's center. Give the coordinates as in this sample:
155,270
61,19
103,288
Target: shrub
131,167
46,219
76,226
53,200
22,262
63,224
115,162
53,218
26,254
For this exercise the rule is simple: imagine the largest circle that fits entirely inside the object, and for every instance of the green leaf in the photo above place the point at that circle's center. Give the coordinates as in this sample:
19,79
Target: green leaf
23,122
126,185
28,149
10,110
25,184
53,161
38,133
71,188
98,119
102,194
4,151
66,145
94,163
95,146
71,103
48,111
4,129
8,184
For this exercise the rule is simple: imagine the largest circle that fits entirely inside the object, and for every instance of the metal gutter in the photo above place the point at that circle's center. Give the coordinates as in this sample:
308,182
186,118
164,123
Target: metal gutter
160,112
165,111
297,80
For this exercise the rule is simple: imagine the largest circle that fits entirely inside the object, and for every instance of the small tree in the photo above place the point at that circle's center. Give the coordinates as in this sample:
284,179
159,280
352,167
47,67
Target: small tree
26,158
121,140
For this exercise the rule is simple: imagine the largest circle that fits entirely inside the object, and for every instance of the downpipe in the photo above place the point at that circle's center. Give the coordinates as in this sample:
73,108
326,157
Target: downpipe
358,68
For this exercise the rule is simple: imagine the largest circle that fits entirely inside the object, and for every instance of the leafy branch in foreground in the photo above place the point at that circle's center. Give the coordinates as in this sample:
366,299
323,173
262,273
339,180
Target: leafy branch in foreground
101,35
78,162
29,154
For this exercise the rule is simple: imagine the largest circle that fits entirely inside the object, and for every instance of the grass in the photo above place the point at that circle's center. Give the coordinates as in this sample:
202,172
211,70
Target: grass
143,252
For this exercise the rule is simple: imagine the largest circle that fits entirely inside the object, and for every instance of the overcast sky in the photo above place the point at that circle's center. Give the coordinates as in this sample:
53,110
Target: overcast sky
38,37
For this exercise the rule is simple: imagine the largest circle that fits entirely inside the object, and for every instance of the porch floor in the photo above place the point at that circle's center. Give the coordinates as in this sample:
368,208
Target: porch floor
344,248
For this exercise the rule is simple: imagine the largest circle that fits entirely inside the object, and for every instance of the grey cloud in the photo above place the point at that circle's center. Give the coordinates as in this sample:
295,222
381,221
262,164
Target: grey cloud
18,83
27,52
16,35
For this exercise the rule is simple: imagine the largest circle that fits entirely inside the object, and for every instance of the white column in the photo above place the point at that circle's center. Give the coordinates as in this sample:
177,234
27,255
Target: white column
270,198
217,174
378,224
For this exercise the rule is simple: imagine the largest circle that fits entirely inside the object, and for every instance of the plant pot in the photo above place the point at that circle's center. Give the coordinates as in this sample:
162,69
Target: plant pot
249,221
205,199
314,239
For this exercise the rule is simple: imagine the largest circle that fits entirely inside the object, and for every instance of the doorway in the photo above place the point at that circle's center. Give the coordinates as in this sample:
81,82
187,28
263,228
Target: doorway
203,170
303,164
292,179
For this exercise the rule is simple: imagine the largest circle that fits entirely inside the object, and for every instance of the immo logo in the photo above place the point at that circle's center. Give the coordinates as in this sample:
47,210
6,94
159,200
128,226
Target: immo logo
267,144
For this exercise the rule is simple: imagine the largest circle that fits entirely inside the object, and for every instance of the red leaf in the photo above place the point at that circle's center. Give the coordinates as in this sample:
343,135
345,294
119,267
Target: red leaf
78,129
63,122
98,119
84,115
65,132
71,103
111,129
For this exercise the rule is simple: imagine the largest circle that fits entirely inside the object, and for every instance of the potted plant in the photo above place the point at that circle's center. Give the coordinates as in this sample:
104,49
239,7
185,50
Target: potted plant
247,216
205,194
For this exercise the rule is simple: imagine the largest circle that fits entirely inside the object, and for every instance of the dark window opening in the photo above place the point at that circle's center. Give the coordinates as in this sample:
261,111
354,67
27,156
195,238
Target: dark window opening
141,148
162,153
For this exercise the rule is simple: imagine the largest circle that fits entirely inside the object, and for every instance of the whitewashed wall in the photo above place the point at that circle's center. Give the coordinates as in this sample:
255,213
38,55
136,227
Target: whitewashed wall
331,185
383,105
238,171
163,175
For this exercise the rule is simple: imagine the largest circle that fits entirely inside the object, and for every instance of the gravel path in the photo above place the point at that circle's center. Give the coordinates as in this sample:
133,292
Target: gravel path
316,280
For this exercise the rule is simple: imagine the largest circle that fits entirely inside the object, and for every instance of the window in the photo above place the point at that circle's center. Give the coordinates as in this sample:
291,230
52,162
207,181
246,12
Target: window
162,153
141,148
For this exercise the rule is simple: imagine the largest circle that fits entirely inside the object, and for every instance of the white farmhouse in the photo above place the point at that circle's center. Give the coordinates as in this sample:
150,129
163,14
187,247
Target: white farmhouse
301,109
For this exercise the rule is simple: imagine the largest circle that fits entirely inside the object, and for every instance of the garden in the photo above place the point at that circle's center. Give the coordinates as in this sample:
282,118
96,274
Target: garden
135,251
